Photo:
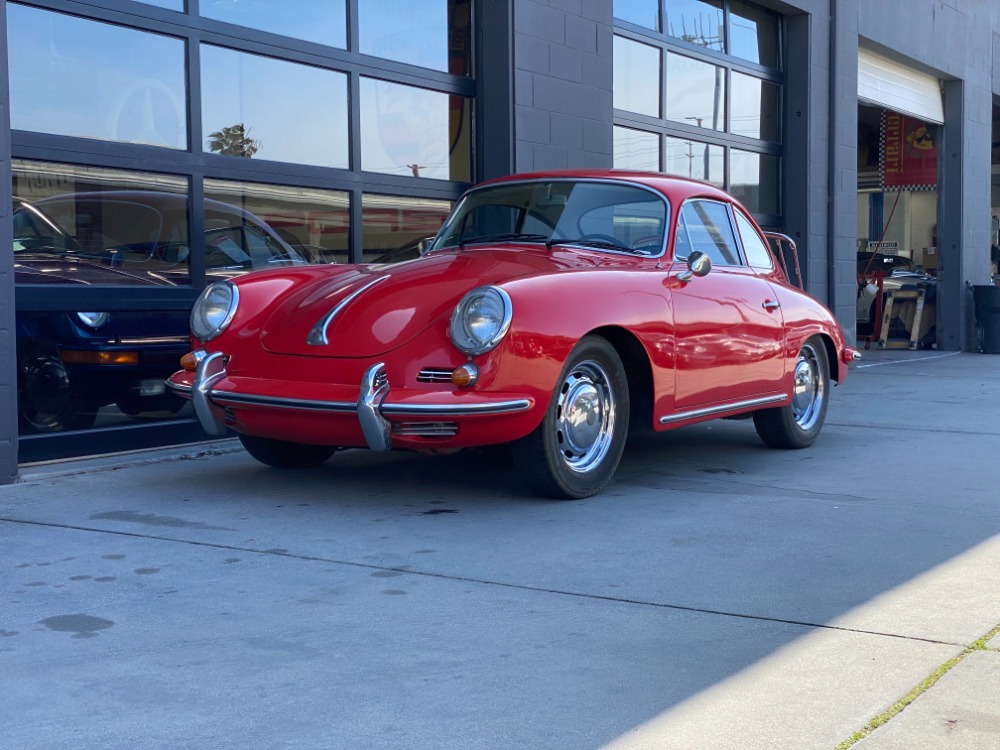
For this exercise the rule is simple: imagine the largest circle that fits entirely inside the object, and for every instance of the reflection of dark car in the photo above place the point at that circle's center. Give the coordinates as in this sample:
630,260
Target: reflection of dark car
74,362
408,251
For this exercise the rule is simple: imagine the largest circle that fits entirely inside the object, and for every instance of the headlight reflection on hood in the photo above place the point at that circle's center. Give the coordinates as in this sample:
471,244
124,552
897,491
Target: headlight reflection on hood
214,310
480,320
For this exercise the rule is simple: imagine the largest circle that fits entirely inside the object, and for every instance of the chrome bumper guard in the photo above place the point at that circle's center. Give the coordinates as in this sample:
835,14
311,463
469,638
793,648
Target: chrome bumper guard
375,427
210,370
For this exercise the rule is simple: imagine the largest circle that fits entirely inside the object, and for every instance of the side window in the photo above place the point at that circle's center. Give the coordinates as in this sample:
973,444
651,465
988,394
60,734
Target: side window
756,251
710,231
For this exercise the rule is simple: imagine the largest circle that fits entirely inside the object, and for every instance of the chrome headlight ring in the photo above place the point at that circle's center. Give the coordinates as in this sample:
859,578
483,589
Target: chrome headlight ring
93,319
480,320
214,310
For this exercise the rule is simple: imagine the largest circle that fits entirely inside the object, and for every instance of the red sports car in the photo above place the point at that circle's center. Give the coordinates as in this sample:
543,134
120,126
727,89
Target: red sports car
552,312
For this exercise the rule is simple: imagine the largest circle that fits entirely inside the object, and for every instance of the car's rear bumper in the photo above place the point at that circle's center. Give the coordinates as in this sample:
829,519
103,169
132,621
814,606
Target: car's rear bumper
371,415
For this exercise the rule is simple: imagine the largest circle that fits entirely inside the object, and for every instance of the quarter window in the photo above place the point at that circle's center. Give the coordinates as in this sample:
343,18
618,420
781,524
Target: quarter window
706,227
754,248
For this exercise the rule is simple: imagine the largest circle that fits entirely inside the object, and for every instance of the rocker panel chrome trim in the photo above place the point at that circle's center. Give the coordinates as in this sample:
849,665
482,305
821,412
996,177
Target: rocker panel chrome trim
708,411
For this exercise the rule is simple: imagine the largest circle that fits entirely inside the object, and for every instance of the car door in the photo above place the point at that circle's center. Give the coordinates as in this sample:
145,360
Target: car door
728,324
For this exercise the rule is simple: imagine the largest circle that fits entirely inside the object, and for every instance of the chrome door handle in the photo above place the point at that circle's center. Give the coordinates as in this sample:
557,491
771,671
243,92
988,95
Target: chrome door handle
770,305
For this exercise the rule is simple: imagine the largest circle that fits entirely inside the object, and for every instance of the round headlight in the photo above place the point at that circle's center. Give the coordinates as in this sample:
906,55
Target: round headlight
93,319
214,310
480,320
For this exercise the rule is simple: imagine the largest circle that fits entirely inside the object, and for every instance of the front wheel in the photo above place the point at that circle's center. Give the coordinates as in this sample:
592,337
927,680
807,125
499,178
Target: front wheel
575,450
798,424
282,454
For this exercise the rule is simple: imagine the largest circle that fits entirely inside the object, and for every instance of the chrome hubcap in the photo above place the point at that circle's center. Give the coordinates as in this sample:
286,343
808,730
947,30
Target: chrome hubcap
810,390
585,417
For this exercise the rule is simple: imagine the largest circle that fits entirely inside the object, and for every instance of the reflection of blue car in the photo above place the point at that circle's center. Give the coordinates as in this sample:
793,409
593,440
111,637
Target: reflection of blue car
70,364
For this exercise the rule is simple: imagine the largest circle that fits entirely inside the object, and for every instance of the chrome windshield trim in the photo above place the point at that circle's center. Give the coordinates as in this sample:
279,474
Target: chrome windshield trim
317,336
708,411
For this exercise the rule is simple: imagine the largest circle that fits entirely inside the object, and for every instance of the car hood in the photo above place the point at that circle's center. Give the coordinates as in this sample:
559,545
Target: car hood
56,268
368,310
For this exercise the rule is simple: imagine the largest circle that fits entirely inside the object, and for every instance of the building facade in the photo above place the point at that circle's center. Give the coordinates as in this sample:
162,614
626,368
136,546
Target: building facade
151,147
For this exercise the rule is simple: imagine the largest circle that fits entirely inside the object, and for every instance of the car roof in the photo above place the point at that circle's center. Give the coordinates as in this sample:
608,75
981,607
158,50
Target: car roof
674,187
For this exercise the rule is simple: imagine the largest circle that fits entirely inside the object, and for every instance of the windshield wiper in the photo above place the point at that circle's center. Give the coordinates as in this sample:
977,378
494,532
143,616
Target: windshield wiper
502,238
593,242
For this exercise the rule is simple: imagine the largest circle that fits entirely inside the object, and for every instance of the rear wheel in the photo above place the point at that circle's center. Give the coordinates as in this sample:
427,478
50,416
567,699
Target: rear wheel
798,424
48,401
282,454
575,450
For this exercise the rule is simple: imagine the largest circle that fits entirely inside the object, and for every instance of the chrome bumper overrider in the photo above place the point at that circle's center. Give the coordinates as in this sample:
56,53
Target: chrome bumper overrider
370,407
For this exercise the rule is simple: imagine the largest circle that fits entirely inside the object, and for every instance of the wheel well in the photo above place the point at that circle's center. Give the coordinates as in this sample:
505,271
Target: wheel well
639,375
831,355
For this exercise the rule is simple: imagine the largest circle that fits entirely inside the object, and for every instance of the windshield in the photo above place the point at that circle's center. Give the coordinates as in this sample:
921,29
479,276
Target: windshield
605,215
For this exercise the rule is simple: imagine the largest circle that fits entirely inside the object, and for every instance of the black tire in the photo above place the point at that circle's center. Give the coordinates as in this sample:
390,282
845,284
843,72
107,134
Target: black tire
798,424
47,400
282,454
567,457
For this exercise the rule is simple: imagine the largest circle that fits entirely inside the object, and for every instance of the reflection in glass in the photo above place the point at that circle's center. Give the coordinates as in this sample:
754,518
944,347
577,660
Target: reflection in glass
321,22
696,92
270,109
87,225
701,161
432,33
75,226
395,228
168,4
755,181
71,76
754,33
696,21
640,12
636,77
754,108
415,132
312,222
636,149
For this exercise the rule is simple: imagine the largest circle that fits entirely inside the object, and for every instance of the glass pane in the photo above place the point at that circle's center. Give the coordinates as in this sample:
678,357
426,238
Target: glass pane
636,149
701,161
754,110
255,106
71,76
395,229
753,33
696,21
756,250
432,33
696,92
755,181
706,227
415,132
291,225
640,12
321,22
636,77
85,225
168,4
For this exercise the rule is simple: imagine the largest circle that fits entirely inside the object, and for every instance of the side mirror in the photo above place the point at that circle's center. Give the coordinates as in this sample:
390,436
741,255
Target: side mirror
699,264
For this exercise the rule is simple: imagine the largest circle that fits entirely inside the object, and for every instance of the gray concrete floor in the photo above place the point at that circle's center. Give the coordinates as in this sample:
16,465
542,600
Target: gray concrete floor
717,595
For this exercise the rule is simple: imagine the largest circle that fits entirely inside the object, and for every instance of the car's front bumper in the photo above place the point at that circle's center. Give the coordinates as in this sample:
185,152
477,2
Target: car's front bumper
383,418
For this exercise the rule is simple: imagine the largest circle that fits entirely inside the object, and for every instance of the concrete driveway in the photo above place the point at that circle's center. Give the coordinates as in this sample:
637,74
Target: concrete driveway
718,595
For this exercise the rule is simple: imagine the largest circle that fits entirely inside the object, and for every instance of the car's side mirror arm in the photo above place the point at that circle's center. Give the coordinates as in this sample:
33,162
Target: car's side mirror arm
699,264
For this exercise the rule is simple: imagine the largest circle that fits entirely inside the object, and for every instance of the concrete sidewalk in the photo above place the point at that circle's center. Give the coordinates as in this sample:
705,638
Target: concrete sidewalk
717,595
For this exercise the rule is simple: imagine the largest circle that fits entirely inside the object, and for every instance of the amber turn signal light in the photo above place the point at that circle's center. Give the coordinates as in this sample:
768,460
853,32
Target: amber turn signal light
74,357
189,362
465,375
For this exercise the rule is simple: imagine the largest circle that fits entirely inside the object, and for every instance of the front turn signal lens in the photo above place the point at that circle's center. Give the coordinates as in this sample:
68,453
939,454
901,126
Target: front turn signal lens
75,357
190,362
465,375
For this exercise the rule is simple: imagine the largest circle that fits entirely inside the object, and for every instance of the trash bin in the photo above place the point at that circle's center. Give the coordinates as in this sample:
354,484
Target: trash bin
987,300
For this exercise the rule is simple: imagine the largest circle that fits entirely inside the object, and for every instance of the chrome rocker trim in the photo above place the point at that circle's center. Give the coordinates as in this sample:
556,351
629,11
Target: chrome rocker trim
370,406
710,410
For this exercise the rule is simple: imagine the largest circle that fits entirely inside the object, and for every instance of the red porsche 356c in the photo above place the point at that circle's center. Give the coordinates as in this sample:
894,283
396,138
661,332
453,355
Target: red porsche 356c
552,312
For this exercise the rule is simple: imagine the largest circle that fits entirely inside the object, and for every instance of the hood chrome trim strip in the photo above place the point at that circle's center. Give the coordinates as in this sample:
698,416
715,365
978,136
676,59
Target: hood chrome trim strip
317,336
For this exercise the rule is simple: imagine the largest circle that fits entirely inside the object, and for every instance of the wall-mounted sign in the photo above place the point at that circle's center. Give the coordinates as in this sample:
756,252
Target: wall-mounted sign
908,157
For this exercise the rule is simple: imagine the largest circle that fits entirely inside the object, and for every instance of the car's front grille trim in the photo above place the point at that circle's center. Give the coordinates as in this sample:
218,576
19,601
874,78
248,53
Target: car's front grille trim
425,429
434,375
